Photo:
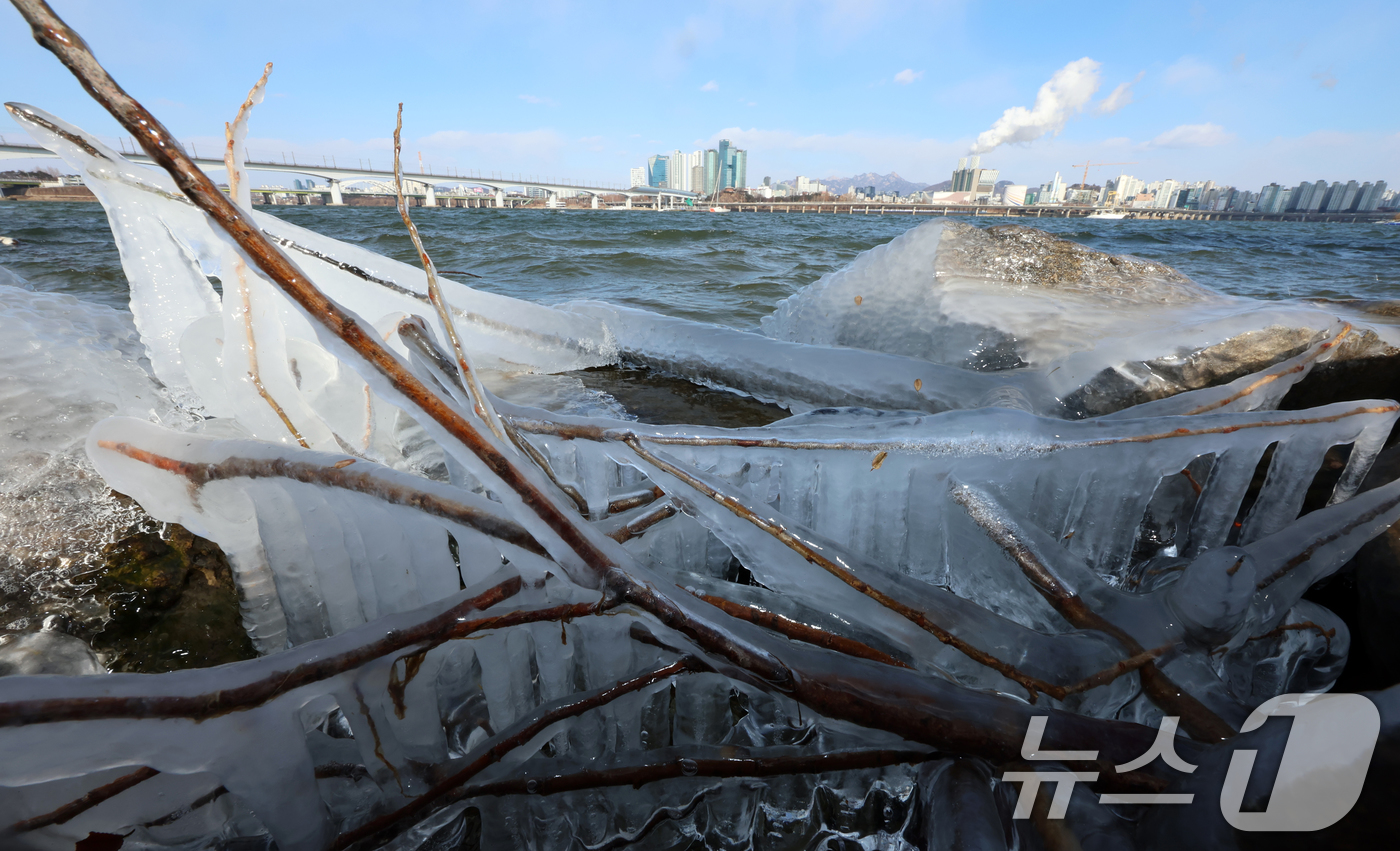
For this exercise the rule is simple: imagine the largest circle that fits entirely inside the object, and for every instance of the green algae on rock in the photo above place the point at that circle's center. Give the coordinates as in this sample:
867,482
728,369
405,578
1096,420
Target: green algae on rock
173,602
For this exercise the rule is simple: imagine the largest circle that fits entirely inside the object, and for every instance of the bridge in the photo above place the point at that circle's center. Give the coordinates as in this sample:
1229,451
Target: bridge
337,176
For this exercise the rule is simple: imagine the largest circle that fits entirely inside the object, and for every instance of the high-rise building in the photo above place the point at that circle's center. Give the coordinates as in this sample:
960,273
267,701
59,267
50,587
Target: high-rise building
697,179
969,176
1188,198
656,171
726,165
1163,193
1014,195
1364,197
1372,200
1348,195
712,171
639,177
1246,201
1302,196
677,172
741,167
1313,202
1270,198
693,159
1127,188
1332,200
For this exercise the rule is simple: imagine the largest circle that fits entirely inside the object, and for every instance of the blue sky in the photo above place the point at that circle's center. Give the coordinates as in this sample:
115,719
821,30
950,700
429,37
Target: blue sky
1241,93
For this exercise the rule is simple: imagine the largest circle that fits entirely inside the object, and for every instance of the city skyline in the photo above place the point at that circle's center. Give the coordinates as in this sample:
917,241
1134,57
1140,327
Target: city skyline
1242,93
706,171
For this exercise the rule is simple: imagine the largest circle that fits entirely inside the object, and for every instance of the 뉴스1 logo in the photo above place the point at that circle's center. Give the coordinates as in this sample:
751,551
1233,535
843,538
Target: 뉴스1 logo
1319,779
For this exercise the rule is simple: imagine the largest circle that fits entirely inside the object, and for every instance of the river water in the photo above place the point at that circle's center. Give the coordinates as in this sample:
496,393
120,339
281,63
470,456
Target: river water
725,268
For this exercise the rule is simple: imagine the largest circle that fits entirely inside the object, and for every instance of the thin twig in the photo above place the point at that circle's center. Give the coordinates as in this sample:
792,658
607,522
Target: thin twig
236,178
636,500
635,527
86,802
358,479
1306,554
451,624
1326,633
637,775
1271,376
620,433
232,163
1032,685
240,272
480,403
1196,718
799,631
413,331
372,832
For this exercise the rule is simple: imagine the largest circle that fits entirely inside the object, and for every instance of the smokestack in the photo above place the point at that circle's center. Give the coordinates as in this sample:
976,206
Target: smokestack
1066,93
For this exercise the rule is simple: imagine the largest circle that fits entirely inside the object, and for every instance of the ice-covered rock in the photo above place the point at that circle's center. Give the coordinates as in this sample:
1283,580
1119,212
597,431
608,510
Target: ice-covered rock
1103,331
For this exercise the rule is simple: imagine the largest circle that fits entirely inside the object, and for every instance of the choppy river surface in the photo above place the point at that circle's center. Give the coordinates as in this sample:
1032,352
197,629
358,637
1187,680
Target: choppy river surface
725,268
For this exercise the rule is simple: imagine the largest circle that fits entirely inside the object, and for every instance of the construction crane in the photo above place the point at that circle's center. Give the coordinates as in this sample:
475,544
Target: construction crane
1086,164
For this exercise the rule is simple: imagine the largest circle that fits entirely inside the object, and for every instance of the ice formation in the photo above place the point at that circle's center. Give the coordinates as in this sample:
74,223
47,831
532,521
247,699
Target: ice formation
1021,479
65,365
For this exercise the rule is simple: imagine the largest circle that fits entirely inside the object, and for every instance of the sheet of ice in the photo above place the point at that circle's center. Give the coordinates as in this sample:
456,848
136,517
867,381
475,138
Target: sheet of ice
1113,490
170,289
319,543
797,376
1061,659
64,365
1225,605
453,694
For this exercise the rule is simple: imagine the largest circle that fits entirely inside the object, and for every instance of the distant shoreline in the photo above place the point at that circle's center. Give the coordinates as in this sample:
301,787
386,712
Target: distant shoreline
79,194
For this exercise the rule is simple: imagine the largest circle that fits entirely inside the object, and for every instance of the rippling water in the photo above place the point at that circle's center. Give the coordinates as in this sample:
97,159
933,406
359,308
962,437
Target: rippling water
730,268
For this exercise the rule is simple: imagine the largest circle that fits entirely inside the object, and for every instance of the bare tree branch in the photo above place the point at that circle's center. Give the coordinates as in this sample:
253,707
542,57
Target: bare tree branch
1196,718
86,802
374,832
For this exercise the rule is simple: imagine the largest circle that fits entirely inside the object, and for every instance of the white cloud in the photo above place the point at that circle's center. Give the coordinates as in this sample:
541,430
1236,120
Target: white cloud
1191,74
1192,136
1119,97
1063,95
907,76
711,86
538,100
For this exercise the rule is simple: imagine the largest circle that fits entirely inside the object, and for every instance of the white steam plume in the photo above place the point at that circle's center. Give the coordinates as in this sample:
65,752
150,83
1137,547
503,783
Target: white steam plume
1065,94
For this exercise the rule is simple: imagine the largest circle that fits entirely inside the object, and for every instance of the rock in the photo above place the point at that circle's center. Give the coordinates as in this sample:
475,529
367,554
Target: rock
1365,592
174,604
1363,368
47,652
1376,572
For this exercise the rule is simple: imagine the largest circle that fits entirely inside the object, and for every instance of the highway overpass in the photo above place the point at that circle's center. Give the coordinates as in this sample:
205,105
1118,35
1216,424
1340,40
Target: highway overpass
337,176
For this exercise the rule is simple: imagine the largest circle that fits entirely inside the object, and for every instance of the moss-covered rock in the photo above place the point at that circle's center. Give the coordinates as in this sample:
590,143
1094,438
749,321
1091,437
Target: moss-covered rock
174,604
